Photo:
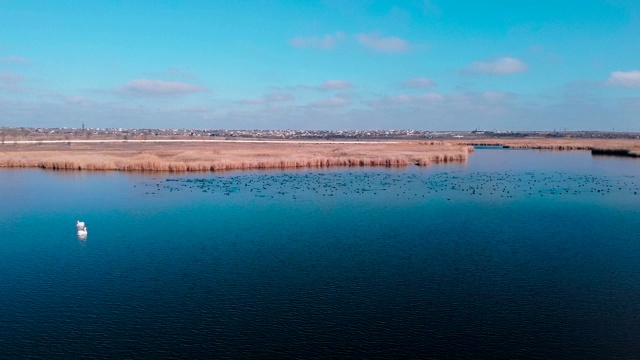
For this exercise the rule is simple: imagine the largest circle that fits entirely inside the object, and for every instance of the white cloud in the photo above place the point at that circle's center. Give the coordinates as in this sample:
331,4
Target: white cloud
11,81
400,99
270,98
160,88
502,66
432,97
334,101
484,100
624,78
389,44
15,60
456,111
494,96
173,73
276,97
327,85
8,77
418,83
407,99
253,101
324,42
76,100
334,85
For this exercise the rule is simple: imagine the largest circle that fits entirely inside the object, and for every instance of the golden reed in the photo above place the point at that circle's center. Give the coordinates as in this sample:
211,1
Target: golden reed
189,157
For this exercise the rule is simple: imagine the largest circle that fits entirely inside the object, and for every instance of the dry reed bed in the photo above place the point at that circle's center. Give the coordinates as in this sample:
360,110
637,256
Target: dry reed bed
179,157
623,147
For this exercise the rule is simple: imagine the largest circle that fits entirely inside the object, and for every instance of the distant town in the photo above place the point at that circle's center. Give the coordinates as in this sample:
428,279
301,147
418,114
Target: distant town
9,133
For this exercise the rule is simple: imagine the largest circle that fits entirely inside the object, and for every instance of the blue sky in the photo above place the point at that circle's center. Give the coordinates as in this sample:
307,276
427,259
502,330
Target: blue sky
332,64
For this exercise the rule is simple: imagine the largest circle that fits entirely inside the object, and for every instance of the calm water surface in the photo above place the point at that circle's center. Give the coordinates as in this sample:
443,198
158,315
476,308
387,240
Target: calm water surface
516,254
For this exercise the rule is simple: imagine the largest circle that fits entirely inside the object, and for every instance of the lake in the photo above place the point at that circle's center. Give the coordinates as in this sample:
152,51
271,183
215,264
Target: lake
514,254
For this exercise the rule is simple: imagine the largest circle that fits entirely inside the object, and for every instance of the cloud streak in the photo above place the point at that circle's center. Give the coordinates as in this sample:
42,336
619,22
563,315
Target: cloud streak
407,99
327,85
334,85
624,79
418,83
456,111
8,77
15,60
390,44
278,97
334,101
501,66
325,42
11,81
148,87
373,41
270,98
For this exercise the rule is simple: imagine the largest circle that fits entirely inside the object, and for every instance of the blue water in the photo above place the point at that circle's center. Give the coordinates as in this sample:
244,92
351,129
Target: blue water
515,254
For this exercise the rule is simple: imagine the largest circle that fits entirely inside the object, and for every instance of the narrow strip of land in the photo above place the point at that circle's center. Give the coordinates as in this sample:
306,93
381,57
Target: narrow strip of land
187,154
220,155
623,147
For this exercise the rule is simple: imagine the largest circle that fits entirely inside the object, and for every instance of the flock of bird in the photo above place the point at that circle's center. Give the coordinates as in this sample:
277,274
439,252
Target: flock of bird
82,230
508,184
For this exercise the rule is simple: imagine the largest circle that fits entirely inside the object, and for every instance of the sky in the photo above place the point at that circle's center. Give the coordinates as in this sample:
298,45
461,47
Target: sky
326,65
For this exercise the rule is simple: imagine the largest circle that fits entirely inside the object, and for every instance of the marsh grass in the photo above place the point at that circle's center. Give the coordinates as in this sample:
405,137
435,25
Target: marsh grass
631,147
181,157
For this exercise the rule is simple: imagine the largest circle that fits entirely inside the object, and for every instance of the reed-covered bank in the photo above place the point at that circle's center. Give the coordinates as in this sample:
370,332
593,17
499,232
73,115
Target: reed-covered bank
179,157
616,147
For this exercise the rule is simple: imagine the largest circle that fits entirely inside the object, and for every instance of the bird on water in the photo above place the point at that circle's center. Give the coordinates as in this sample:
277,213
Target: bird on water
82,229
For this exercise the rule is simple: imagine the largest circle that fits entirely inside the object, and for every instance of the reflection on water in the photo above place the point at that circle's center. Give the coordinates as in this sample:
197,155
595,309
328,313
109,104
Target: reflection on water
517,254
